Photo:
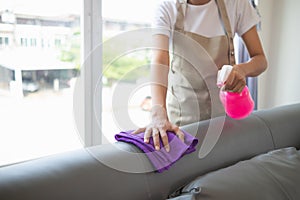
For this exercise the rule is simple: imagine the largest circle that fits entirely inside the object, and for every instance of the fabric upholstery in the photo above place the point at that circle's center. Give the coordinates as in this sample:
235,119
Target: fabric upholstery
122,171
271,176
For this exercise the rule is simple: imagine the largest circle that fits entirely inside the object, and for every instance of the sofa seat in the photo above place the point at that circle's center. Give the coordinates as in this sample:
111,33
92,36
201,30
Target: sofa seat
271,176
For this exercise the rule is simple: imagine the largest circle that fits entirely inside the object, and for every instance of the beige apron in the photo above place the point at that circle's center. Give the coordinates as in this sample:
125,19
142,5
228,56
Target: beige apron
193,94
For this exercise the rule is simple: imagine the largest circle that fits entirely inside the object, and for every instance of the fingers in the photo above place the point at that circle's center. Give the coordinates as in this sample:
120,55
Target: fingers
139,130
235,82
164,138
234,86
155,136
178,132
238,87
147,135
160,134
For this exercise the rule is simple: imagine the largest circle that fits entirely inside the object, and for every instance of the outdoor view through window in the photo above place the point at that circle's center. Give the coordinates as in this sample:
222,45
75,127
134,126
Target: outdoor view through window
40,48
39,63
126,65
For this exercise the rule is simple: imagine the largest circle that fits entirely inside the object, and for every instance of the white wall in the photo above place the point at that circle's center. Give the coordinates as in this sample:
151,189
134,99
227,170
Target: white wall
280,36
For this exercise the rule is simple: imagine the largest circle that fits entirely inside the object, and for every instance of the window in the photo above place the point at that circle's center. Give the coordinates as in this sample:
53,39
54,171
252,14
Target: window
24,42
37,86
4,41
57,42
39,112
33,42
42,43
126,91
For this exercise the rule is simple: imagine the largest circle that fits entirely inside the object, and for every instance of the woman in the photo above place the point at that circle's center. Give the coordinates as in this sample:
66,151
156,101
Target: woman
201,38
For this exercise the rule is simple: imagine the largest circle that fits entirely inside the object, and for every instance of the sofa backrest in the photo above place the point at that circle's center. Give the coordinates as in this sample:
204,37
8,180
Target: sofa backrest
121,171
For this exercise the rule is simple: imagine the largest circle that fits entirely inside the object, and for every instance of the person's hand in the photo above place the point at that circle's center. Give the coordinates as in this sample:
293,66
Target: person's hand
158,128
236,80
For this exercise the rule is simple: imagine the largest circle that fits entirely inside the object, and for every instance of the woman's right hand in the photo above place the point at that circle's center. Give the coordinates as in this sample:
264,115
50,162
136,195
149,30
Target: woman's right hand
158,128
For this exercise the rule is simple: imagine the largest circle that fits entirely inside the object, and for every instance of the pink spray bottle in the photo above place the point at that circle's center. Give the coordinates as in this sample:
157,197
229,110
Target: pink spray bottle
236,105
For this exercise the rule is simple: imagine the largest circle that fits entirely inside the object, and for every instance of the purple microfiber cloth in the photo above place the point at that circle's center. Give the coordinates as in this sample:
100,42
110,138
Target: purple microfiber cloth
161,160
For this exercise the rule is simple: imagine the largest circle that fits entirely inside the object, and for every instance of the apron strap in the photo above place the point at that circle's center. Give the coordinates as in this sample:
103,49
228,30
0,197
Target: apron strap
227,28
181,6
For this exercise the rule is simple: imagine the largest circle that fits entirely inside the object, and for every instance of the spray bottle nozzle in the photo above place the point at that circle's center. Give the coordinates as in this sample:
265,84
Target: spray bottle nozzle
223,75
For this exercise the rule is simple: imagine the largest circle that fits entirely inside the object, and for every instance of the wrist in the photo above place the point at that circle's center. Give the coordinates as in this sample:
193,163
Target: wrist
158,110
240,69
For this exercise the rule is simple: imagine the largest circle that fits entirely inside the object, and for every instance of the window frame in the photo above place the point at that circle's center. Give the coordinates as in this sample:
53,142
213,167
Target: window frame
91,70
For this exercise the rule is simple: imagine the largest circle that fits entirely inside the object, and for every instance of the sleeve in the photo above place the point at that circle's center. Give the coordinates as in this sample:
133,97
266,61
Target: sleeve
247,16
161,20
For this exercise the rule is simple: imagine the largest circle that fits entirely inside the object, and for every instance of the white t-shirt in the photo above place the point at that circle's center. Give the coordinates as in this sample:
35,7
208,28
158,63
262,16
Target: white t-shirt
204,19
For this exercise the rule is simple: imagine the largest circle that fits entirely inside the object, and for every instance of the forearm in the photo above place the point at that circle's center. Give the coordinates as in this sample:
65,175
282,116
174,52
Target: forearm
258,62
159,83
254,67
160,70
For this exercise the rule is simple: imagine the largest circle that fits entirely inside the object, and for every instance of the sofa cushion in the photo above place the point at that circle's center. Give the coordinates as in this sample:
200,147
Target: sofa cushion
270,176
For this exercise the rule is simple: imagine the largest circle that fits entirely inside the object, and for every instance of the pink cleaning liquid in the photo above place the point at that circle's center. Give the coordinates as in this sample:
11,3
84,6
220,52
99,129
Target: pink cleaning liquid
237,105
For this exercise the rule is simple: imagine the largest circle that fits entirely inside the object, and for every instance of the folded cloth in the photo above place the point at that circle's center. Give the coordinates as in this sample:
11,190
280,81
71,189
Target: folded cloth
161,160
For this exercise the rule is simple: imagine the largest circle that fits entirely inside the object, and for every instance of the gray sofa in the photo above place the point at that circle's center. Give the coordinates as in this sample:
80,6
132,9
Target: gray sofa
240,159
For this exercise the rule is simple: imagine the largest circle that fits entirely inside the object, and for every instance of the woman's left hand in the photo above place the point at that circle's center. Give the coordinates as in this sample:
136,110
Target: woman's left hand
236,80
